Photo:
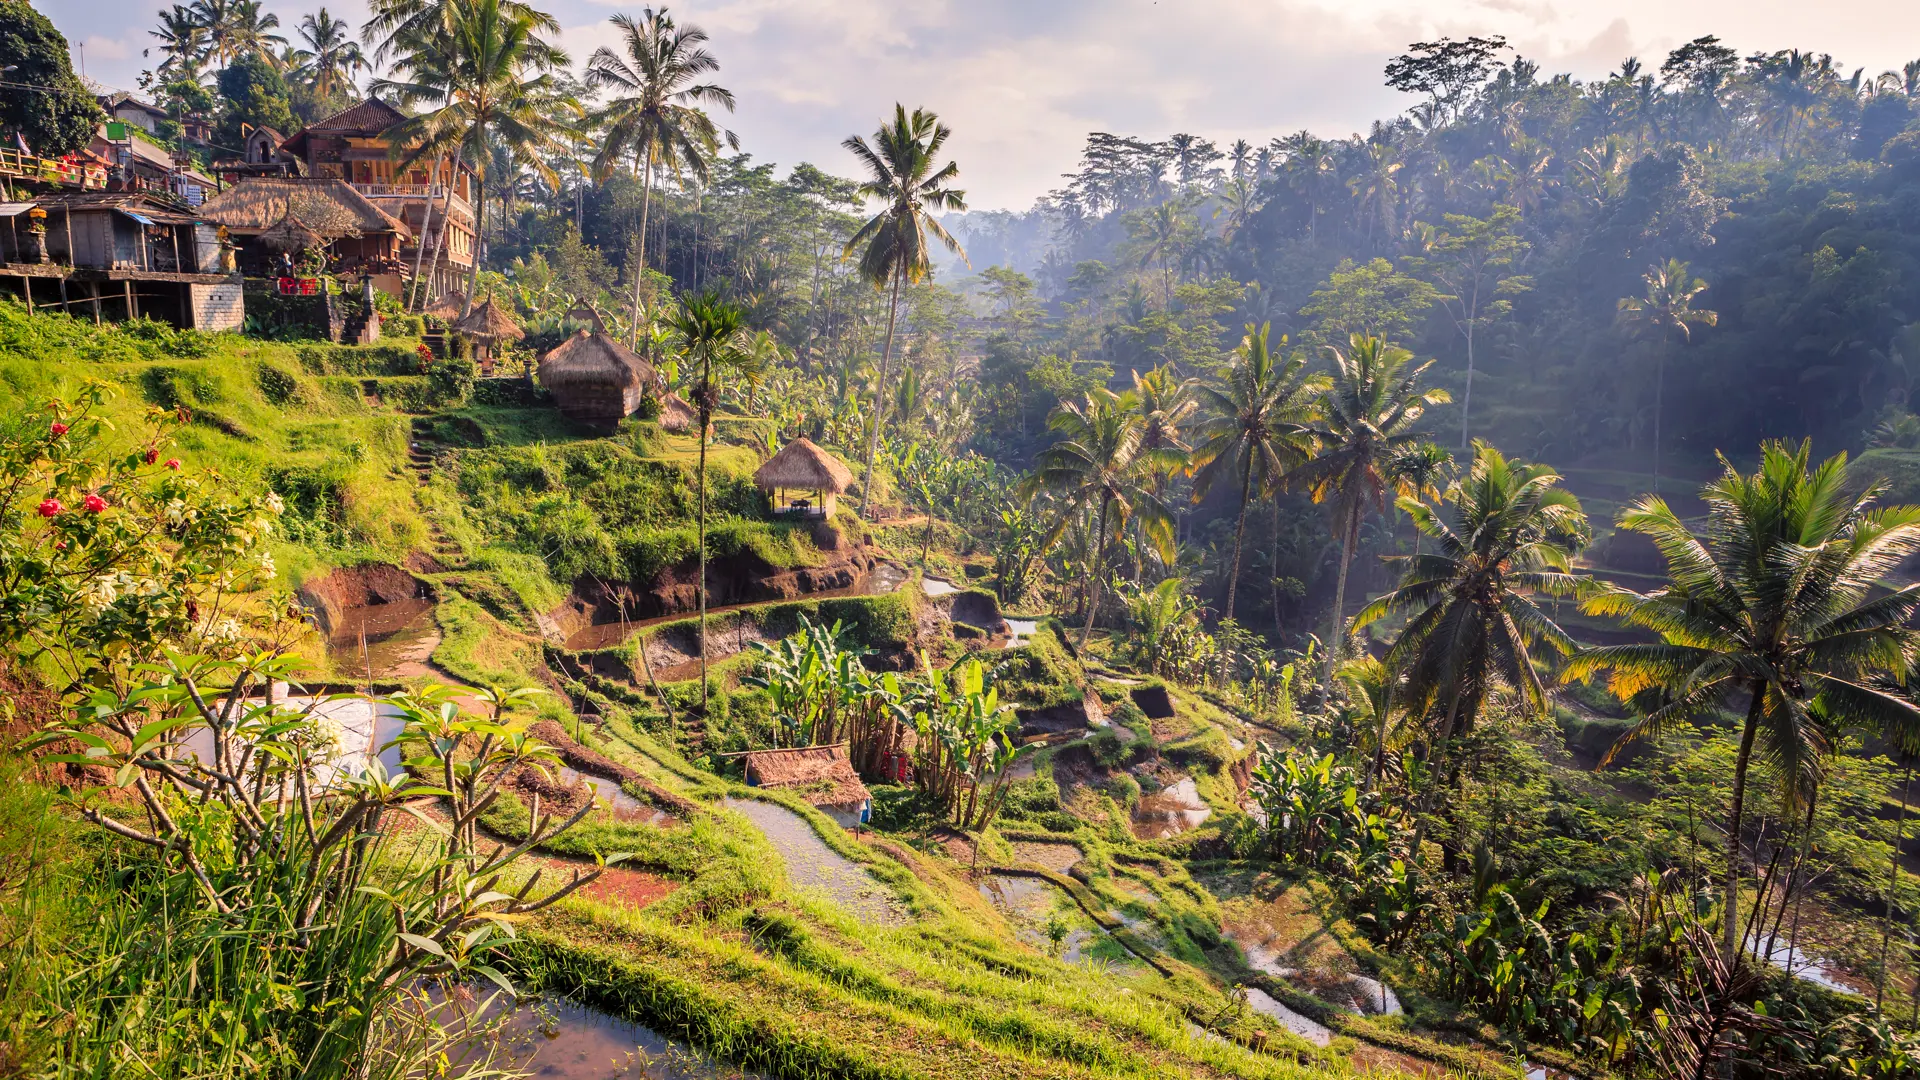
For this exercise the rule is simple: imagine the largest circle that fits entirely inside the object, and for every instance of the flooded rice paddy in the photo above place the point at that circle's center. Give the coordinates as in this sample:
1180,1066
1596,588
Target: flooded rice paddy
564,1040
390,641
813,866
1170,811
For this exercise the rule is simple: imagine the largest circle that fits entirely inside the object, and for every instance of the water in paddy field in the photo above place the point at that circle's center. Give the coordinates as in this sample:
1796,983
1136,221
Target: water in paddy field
564,1040
1170,811
1311,1030
813,866
885,578
934,586
1788,957
1020,632
399,639
609,794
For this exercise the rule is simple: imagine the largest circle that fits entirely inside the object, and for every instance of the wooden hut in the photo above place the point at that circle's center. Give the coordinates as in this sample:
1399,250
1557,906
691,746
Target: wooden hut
595,379
676,415
803,469
360,237
822,775
485,326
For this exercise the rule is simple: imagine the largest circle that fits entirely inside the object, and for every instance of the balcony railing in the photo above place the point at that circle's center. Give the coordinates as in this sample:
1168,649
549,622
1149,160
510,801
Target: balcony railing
412,191
16,165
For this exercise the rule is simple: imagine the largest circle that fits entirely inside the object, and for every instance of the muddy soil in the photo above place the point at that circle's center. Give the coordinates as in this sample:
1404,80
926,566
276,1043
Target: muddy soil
332,598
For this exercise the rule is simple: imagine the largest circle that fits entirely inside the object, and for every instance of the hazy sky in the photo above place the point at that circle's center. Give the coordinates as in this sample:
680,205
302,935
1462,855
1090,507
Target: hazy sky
1023,81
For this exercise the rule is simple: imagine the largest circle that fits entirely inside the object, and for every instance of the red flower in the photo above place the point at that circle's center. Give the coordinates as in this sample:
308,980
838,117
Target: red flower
94,504
50,508
59,429
153,455
173,463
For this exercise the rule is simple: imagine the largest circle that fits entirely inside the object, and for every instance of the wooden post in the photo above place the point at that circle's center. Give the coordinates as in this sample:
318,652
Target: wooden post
64,304
133,312
174,232
26,284
66,219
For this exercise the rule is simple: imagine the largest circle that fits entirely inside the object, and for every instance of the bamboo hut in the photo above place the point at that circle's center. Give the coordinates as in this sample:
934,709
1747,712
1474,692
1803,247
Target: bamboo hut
801,468
822,775
448,307
357,234
290,236
595,379
486,325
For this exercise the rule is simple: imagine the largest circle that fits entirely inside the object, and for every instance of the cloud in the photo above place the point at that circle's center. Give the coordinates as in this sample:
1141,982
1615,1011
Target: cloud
106,48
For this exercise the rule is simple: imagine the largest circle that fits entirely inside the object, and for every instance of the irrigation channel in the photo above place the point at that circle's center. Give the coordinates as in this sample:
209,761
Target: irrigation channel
564,1040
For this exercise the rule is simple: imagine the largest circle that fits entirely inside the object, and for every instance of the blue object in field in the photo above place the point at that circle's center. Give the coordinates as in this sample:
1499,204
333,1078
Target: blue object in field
866,811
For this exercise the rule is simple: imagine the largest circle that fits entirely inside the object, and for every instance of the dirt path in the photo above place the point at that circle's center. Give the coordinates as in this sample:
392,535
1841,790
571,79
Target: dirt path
813,866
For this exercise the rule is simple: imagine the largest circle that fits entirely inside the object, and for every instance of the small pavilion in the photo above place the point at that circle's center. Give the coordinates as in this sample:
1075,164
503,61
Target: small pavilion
803,479
822,775
484,326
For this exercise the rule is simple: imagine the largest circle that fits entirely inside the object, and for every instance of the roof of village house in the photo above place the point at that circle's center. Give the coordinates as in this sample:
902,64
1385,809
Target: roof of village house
801,464
676,414
154,155
156,207
291,234
822,775
115,101
329,207
491,322
592,358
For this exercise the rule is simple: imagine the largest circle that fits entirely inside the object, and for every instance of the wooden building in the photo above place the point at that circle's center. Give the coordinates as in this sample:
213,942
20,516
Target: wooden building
358,236
803,479
119,255
594,379
352,145
822,775
487,326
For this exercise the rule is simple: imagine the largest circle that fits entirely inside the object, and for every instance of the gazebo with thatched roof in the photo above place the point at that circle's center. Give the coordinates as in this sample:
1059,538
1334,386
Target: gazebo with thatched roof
676,415
595,379
486,325
822,775
803,468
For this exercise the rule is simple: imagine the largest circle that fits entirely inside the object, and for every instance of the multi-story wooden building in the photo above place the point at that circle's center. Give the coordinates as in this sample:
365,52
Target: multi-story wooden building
353,145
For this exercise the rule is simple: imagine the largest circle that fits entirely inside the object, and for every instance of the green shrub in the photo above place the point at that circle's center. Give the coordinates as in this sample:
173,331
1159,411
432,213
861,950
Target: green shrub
451,381
278,385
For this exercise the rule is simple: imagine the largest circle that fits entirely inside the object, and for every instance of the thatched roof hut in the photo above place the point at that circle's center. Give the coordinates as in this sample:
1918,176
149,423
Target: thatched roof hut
329,207
822,775
802,467
448,307
676,415
489,323
290,235
595,379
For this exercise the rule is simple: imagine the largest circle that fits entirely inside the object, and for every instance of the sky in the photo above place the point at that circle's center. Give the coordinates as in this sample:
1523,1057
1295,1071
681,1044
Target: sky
1022,82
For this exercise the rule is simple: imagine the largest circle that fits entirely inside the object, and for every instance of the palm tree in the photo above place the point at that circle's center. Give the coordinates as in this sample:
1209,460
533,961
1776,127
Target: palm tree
1165,403
1375,188
183,42
1420,472
1163,239
711,332
1257,428
1773,606
236,28
901,174
332,57
1367,420
480,67
1475,624
1239,201
655,116
1666,312
1097,465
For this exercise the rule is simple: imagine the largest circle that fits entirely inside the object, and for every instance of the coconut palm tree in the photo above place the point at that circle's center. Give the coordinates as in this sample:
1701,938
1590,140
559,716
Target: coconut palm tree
1774,608
236,28
183,43
712,336
488,72
1367,420
1474,623
1258,413
1097,466
655,117
1165,403
903,176
1665,313
1421,472
330,56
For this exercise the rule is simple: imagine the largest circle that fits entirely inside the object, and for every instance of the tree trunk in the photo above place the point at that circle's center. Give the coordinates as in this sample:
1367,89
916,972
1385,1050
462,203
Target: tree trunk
1093,577
880,393
1893,881
1336,632
705,393
639,278
1273,570
1233,580
479,231
1466,402
1659,393
1730,934
446,221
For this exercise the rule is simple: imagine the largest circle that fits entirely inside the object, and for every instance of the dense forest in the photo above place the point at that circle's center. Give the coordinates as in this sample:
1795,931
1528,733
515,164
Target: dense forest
1436,601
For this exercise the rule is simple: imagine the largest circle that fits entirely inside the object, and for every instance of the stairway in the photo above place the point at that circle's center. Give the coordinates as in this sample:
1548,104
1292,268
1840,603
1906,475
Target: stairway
421,459
361,329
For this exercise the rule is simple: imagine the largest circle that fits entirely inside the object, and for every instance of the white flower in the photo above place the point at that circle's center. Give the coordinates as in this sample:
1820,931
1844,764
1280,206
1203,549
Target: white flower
264,525
266,563
223,630
330,737
176,511
274,502
98,595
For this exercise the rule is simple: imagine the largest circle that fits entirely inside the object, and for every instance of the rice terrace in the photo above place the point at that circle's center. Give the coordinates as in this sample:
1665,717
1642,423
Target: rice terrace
569,539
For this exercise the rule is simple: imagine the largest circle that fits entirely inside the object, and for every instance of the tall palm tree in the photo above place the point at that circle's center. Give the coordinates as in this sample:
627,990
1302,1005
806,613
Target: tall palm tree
901,174
1258,421
1367,420
236,28
1163,239
1165,404
1664,313
183,43
1420,472
1097,466
1475,624
655,116
712,333
332,57
486,69
1773,607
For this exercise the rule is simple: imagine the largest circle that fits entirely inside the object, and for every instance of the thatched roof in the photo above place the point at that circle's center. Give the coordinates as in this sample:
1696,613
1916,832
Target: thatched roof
489,322
802,465
822,775
449,306
329,207
676,414
589,358
290,234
